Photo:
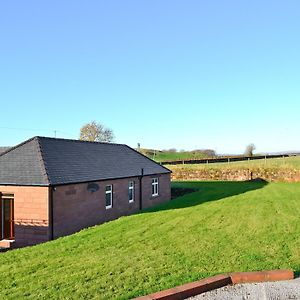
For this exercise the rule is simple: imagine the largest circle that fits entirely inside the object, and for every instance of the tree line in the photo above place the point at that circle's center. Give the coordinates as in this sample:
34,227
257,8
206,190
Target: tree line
97,132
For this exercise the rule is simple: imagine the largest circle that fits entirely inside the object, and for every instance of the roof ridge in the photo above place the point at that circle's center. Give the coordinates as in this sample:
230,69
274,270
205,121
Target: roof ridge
43,161
17,146
79,141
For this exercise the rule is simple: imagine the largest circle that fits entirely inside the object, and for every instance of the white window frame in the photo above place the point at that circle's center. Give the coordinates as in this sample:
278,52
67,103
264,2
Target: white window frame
131,187
154,187
111,196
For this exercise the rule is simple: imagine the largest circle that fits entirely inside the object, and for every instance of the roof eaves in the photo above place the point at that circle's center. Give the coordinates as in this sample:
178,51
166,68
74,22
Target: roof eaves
104,179
24,184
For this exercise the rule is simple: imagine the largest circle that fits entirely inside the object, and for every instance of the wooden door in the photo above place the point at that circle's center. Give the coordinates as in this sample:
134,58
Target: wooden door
7,217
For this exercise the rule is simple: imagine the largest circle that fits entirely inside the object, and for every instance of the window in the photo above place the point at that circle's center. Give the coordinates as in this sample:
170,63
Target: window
154,186
108,196
131,191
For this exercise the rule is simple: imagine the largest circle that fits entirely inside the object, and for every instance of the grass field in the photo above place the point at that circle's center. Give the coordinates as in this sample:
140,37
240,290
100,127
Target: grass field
170,155
223,227
272,163
165,156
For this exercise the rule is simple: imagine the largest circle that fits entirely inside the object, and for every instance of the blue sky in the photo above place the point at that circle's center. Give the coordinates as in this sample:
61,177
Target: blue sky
183,74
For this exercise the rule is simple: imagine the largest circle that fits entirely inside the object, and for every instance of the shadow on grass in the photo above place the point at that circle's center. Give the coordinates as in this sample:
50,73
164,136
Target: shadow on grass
206,191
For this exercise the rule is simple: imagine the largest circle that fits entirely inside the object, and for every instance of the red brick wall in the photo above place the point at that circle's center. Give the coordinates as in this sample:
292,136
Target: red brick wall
164,190
74,207
30,214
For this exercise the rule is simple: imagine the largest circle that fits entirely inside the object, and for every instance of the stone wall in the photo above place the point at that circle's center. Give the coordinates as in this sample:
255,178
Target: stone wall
268,174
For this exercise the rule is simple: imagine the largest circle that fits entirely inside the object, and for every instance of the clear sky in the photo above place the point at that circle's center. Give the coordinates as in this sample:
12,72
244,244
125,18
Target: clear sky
183,74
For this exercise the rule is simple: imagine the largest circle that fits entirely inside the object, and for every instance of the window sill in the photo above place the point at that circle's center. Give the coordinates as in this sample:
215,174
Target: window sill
155,196
108,207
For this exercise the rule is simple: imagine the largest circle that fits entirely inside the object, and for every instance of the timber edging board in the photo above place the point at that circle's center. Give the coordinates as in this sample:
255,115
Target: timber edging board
204,285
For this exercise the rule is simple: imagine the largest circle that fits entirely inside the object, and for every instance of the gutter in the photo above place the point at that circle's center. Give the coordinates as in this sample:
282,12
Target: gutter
51,217
141,188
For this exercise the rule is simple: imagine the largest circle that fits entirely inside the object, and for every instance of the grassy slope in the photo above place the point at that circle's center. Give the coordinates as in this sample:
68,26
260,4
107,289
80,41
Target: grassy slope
225,226
167,155
274,163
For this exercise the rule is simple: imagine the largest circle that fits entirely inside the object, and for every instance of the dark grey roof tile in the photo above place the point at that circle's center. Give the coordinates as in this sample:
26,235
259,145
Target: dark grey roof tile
52,161
23,165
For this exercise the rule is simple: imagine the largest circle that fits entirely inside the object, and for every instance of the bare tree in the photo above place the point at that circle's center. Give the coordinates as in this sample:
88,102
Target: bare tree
96,132
249,150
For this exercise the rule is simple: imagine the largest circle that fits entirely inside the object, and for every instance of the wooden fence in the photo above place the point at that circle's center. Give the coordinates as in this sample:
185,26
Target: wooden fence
225,159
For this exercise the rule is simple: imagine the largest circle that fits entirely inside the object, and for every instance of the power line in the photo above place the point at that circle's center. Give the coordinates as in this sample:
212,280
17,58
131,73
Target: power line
67,133
32,129
25,129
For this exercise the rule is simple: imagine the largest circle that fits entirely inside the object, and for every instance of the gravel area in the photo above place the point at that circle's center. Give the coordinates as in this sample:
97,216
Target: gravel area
279,290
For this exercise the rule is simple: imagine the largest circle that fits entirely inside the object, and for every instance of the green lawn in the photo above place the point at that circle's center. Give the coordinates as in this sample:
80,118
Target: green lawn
272,163
223,227
169,156
165,156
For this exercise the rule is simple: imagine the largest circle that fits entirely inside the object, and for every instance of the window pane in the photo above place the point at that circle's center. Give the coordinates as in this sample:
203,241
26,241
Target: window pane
154,186
130,194
130,190
108,195
108,199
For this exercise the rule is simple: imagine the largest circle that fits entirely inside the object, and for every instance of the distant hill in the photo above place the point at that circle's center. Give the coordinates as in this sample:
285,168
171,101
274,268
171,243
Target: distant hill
170,155
173,154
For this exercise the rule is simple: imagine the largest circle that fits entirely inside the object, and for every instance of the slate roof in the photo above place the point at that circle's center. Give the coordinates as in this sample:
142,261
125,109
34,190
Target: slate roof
50,161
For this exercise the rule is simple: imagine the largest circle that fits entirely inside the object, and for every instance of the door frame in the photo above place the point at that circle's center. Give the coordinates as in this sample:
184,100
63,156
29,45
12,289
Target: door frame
7,197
